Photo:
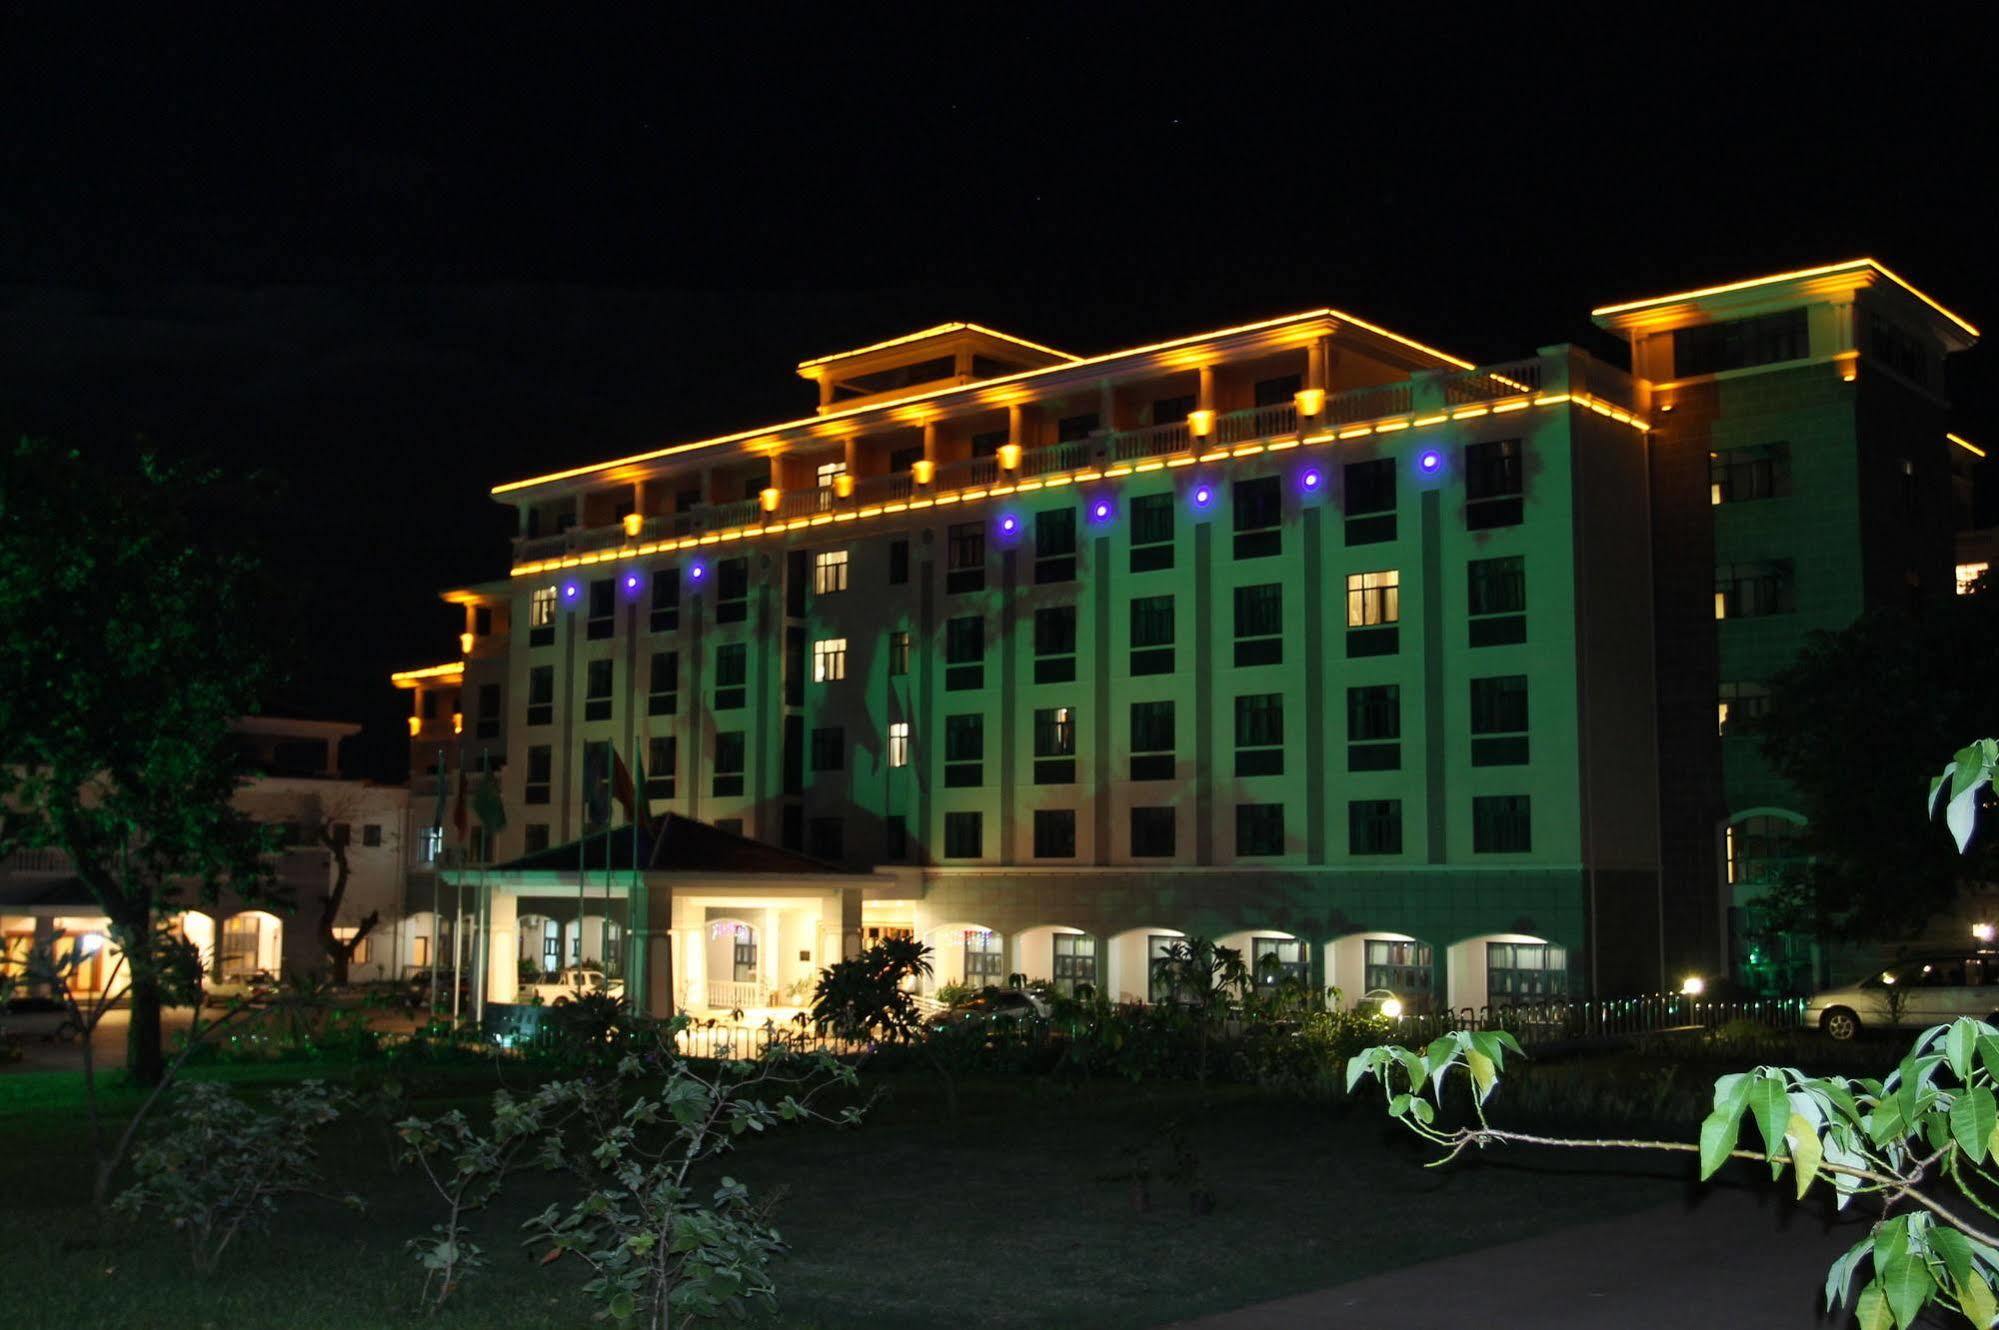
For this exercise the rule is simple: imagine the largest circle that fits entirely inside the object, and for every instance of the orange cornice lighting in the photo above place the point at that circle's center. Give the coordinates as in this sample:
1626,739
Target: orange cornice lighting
937,331
411,678
1966,444
972,392
1823,270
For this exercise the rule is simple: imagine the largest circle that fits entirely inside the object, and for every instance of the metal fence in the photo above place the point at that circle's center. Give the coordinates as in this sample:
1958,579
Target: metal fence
1606,1018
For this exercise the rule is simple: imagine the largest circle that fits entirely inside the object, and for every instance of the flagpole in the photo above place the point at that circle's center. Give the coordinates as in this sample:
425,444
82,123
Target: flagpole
482,968
437,884
458,901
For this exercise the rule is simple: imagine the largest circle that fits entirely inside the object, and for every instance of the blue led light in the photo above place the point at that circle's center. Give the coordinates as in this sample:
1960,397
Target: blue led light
696,571
571,590
1203,495
1313,479
1100,510
1430,461
631,581
1009,524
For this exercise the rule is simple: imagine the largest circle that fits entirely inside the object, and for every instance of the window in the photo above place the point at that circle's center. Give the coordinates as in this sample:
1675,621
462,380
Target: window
1374,727
987,443
1258,508
665,599
1493,479
1525,972
1496,598
430,702
1055,546
965,751
964,653
1259,830
1151,533
826,472
898,562
1152,635
829,748
1499,721
1968,575
1152,832
1374,826
540,772
1276,961
985,961
895,837
1075,963
662,764
487,724
1055,746
898,743
1277,391
1071,428
732,590
1405,968
603,619
829,572
1501,824
1751,590
964,838
828,839
541,695
1741,475
597,689
1740,343
732,672
1897,350
371,835
1152,740
1172,410
1760,848
829,659
664,698
1259,624
902,459
1742,704
534,840
541,617
1055,833
1055,644
1370,501
1259,734
1374,606
965,553
731,754
898,655
1161,978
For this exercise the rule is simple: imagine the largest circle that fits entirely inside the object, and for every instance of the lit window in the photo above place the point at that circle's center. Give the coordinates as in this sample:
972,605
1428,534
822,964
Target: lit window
829,572
829,659
541,608
827,471
1374,598
898,743
1968,575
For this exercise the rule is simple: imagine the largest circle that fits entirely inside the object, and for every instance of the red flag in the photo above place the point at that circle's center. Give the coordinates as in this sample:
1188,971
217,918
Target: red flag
621,785
458,822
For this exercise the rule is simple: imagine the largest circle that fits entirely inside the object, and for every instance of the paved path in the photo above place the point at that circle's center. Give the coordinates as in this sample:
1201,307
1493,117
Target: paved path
1735,1258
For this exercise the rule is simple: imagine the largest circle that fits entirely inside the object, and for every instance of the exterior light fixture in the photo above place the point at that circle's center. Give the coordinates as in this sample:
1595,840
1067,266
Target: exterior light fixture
1009,456
633,523
416,725
767,498
465,644
1009,525
1430,462
922,470
1391,1008
843,485
1312,480
631,581
1693,985
1311,401
1101,510
458,722
571,590
1201,422
1204,495
696,571
1983,932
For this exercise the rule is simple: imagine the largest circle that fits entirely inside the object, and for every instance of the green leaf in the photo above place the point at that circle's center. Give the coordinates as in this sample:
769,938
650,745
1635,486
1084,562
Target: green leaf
1904,1276
1718,1132
1975,1296
1772,1107
1482,1074
1438,1058
1966,771
1973,1118
1358,1066
1959,1046
1871,1311
1398,1105
1951,1246
622,1306
1839,1279
1805,1152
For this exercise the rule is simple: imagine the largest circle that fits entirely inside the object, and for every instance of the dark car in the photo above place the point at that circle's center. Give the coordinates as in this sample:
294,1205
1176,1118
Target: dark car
416,990
993,1006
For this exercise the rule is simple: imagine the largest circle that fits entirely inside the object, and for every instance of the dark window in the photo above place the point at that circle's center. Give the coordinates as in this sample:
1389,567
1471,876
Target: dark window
1152,635
901,459
895,837
597,690
1499,721
965,569
541,770
964,751
603,620
536,838
964,653
1055,644
1742,705
1075,963
1897,350
1152,740
1493,480
1259,624
1374,826
898,562
662,766
1258,509
1374,727
687,500
430,703
1071,428
1055,546
1275,392
1496,596
1525,972
1501,824
732,590
986,443
1740,475
964,835
829,748
1710,348
1259,829
828,839
482,621
1370,501
1151,533
1055,833
1259,734
1055,746
664,699
541,695
371,834
665,599
1751,590
1172,410
1152,833
487,723
898,654
732,672
731,753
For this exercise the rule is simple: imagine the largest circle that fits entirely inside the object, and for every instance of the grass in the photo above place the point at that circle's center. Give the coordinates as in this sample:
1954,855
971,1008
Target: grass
1001,1218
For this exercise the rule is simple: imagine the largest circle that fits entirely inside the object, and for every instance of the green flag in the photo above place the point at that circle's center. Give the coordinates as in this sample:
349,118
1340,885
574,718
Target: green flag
486,804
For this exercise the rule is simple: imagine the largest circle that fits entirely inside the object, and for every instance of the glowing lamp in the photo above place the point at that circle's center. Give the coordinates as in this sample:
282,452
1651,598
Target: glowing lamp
1430,462
1009,524
1203,495
767,498
571,590
458,722
465,644
1392,1008
696,571
1313,479
1201,422
1693,985
1100,510
416,724
1009,456
633,521
922,470
1311,401
631,581
1983,932
843,485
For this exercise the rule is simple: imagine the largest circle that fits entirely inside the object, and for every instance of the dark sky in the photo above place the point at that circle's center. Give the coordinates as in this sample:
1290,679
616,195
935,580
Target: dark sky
398,254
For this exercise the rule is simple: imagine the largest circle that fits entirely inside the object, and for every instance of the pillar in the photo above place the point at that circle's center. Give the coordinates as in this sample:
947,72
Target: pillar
502,946
767,945
1106,406
44,949
1207,392
1315,363
1013,423
930,441
649,966
850,922
850,454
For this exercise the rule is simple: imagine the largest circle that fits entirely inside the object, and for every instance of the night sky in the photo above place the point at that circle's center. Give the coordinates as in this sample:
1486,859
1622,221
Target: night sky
396,255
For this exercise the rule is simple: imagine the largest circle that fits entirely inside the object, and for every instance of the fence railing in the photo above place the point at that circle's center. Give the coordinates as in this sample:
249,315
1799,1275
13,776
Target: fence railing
1153,441
1606,1018
1260,422
1389,399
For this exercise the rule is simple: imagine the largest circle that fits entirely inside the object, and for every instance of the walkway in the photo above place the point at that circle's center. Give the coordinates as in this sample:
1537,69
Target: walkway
1735,1258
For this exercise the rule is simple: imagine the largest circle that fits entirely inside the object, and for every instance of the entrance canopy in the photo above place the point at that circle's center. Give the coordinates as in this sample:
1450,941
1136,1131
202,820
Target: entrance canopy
673,844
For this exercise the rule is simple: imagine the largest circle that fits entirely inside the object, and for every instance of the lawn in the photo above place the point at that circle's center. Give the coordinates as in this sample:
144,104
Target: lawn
1001,1218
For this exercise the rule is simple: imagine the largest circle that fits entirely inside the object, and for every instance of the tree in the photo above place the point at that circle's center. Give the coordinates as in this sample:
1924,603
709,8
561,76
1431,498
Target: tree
127,646
867,994
1854,725
329,827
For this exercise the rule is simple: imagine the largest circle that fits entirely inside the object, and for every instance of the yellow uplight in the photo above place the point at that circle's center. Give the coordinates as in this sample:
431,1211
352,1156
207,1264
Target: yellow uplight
1311,401
922,470
767,498
1202,423
465,643
1009,456
843,485
416,724
634,522
458,722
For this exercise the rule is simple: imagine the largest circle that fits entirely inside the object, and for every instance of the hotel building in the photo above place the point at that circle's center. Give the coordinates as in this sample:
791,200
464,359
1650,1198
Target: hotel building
1392,670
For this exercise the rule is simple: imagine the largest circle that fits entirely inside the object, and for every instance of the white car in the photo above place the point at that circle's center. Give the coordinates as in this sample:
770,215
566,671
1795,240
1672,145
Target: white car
572,984
1912,994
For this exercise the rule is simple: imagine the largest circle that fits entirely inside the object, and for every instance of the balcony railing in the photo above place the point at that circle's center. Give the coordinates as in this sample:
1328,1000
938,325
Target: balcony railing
44,860
1071,456
1260,422
1492,385
1390,399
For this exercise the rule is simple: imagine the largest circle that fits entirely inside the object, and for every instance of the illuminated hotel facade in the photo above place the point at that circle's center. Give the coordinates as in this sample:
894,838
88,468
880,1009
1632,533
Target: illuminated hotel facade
1394,671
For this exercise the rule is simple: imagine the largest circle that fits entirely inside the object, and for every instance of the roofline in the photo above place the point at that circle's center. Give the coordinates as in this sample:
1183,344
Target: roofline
411,678
984,385
937,331
1800,274
1964,443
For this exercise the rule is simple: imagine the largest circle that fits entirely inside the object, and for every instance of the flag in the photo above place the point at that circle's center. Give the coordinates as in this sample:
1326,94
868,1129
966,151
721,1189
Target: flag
639,783
596,800
458,823
621,787
486,805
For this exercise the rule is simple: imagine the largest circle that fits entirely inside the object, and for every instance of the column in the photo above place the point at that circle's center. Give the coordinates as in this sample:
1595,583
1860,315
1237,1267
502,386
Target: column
767,945
850,922
930,441
1315,363
1013,423
44,945
1106,406
850,453
503,969
649,971
1207,398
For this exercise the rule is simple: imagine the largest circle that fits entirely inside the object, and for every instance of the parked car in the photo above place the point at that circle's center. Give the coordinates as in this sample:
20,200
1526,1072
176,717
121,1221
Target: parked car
258,986
416,990
567,985
1378,1002
1911,994
993,1006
